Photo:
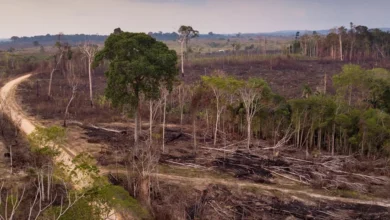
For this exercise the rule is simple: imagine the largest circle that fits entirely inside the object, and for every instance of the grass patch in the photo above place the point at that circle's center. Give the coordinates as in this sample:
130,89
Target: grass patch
350,194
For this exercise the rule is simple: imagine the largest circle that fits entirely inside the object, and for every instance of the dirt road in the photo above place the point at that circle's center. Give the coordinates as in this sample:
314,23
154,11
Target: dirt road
10,107
13,110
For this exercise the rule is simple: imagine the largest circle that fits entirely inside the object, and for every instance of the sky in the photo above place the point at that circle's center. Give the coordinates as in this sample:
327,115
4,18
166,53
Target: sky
40,17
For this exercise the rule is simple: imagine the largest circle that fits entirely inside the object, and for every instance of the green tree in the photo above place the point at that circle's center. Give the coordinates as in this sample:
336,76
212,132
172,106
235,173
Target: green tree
139,65
14,38
252,92
223,87
378,84
349,80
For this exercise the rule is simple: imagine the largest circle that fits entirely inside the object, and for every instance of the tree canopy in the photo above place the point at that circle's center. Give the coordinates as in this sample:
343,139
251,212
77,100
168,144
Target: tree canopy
139,64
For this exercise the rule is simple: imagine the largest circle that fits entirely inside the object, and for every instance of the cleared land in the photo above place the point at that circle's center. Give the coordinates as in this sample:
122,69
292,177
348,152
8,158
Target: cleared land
224,180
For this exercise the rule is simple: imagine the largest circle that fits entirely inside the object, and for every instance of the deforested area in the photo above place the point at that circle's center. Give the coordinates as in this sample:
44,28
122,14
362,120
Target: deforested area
241,122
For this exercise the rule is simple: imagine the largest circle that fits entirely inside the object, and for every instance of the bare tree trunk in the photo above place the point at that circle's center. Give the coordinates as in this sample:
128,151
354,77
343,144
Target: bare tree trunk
10,155
249,121
341,47
51,74
151,122
216,127
333,136
351,51
325,83
136,127
50,81
144,185
164,118
181,103
194,133
70,102
182,57
363,140
90,81
307,149
319,140
298,133
89,50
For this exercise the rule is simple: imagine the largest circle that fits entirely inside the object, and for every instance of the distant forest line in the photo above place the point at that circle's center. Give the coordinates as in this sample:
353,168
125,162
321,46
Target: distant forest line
49,39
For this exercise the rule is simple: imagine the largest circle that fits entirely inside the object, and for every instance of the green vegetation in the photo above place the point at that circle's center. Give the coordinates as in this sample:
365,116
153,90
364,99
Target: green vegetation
139,66
354,120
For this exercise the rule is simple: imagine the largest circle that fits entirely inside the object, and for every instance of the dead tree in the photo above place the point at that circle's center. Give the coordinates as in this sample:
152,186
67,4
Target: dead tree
164,94
144,163
154,106
182,96
90,51
11,203
73,82
64,49
341,33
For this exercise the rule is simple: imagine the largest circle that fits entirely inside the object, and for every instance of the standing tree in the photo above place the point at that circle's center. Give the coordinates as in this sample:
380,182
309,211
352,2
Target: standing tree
251,92
341,31
63,50
90,51
36,44
164,94
14,38
352,40
223,87
186,33
139,65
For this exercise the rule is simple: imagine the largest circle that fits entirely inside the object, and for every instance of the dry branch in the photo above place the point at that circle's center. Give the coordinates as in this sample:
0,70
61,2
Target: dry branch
94,127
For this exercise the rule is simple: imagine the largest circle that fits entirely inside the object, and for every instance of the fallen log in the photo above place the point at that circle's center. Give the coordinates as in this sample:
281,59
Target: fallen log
94,127
284,176
185,164
217,149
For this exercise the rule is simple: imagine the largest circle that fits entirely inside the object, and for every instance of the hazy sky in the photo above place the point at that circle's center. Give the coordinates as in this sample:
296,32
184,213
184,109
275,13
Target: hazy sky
37,17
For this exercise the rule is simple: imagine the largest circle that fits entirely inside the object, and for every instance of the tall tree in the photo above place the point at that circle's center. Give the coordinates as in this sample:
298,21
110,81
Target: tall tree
222,87
64,51
341,32
14,38
90,51
251,92
352,40
186,33
139,65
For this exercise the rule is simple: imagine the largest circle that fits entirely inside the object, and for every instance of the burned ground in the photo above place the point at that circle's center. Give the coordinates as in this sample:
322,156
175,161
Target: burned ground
214,201
14,144
344,176
338,175
287,78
